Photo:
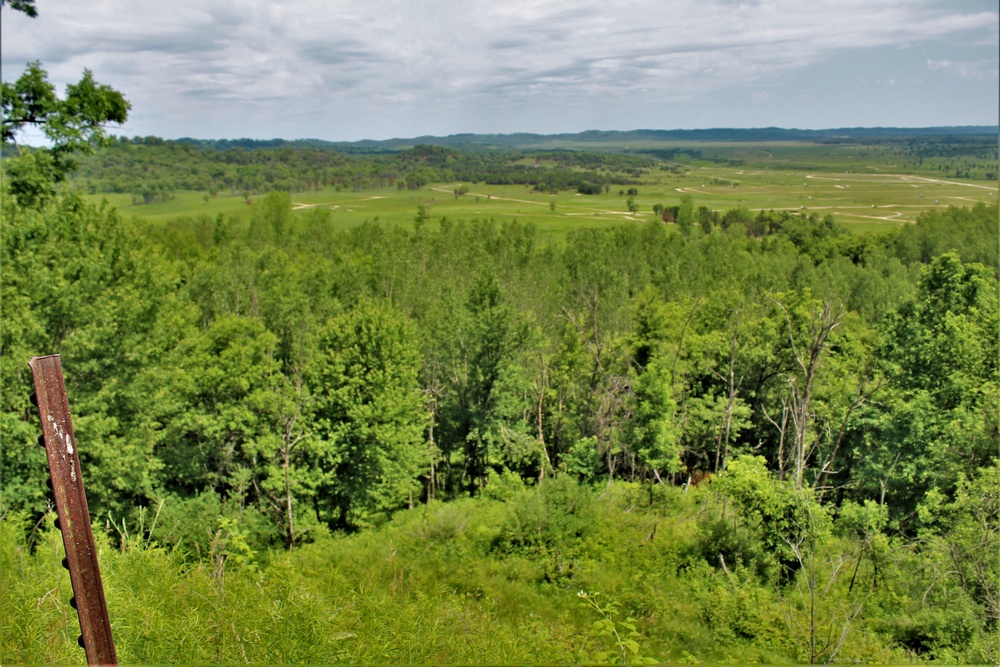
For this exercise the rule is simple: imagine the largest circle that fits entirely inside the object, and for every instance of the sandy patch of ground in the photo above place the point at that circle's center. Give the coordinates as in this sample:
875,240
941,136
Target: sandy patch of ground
900,178
332,205
490,196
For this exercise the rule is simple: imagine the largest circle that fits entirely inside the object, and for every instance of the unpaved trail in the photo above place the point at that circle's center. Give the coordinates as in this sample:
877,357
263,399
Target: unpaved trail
588,211
901,178
334,205
480,194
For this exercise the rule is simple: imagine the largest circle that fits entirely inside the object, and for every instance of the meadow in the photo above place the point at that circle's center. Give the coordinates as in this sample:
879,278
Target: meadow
557,573
863,201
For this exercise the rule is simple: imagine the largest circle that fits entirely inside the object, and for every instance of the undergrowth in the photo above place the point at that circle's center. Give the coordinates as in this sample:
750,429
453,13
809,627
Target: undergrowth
553,574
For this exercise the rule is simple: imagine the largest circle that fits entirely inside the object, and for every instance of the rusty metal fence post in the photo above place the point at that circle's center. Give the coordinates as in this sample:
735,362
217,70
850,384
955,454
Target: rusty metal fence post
71,506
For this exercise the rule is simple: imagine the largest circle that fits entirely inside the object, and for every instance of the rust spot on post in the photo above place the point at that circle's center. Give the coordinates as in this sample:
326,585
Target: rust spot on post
71,505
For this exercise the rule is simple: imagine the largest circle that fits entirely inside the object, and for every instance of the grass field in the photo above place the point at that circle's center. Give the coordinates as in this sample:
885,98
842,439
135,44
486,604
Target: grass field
862,200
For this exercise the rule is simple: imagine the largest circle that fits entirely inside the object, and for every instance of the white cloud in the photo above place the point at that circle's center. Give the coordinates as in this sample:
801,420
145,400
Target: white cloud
381,64
975,69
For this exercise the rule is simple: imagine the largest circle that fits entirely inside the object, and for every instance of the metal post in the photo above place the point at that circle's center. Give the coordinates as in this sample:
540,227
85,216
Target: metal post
71,506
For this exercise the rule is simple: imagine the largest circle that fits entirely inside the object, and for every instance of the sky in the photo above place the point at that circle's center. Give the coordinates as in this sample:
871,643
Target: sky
344,70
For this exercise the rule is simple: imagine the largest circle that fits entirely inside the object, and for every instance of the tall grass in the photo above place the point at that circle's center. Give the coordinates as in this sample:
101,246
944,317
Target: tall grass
503,580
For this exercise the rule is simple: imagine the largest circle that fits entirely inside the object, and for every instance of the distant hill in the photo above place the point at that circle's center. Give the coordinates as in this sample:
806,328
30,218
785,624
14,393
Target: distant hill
596,137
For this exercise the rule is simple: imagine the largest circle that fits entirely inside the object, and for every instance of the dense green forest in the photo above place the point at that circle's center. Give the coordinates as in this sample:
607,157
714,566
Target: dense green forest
767,440
151,169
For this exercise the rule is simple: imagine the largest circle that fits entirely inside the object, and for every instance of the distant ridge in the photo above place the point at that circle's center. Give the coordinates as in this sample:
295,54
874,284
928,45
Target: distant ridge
525,140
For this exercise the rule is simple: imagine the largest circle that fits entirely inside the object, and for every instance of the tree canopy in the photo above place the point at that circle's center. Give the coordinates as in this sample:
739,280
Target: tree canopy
72,124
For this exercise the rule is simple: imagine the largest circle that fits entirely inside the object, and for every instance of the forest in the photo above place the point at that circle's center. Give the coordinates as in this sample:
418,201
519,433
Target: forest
151,169
698,436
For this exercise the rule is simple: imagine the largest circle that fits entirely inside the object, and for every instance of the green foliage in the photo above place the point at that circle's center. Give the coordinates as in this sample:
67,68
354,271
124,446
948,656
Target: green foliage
32,177
961,538
583,459
940,419
432,586
771,524
862,520
483,402
970,232
560,512
685,215
654,432
74,123
195,526
622,635
242,384
26,6
370,412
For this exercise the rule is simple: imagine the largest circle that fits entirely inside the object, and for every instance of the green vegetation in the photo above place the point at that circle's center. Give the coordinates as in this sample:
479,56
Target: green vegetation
72,125
509,406
554,573
765,439
866,185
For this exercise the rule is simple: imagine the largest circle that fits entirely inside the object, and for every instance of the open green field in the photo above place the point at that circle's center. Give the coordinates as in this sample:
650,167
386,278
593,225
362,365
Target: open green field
861,200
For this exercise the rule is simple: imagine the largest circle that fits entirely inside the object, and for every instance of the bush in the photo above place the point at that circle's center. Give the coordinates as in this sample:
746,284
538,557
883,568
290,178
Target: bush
559,513
191,525
770,526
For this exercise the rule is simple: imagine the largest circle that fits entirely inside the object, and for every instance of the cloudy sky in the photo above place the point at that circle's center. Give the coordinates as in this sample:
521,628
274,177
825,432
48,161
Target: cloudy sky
352,69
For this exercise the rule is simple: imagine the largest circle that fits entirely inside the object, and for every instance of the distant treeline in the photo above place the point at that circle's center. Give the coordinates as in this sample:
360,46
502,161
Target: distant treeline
611,136
151,169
